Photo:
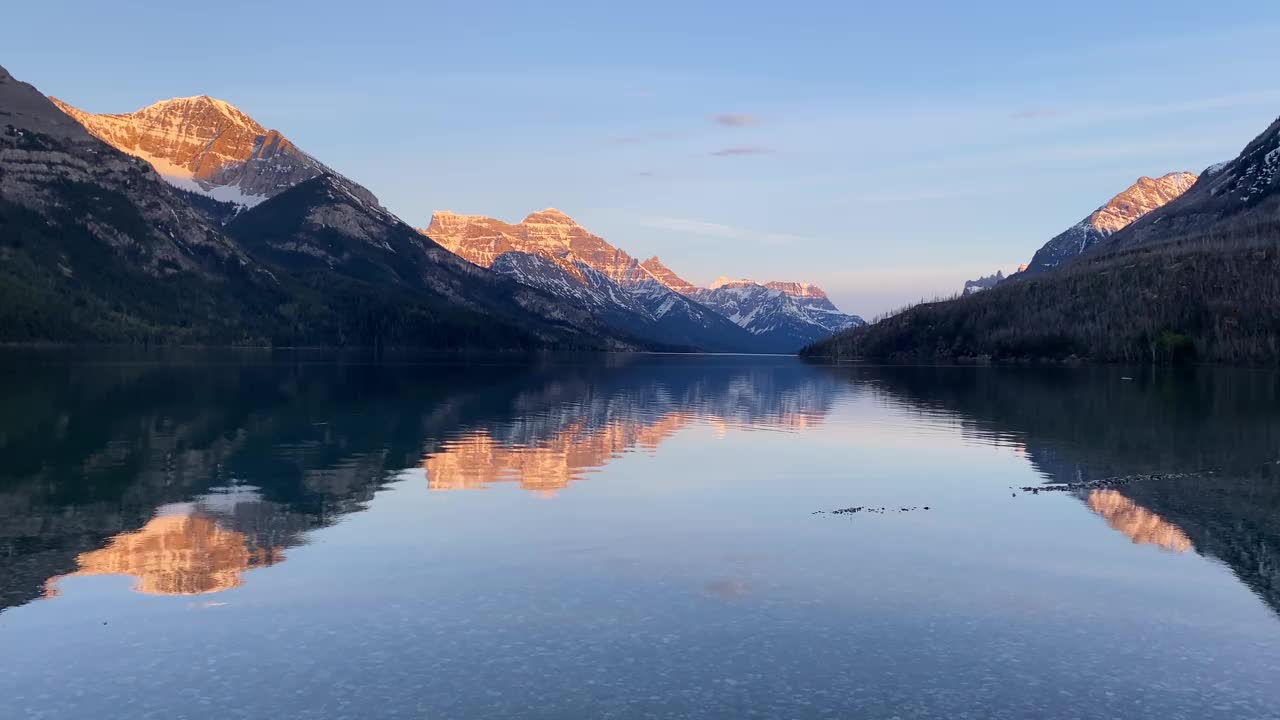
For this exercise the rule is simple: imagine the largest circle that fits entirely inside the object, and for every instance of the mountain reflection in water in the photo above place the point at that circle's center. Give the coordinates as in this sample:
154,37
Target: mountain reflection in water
186,474
1080,424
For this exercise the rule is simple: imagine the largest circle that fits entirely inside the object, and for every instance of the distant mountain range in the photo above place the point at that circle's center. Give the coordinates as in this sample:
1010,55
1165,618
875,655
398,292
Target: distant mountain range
250,240
1173,269
94,247
549,250
985,283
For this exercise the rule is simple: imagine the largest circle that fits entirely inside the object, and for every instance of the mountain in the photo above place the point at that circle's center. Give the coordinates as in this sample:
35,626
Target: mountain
983,283
326,234
1137,200
584,268
784,316
95,247
667,277
1196,279
210,147
1234,203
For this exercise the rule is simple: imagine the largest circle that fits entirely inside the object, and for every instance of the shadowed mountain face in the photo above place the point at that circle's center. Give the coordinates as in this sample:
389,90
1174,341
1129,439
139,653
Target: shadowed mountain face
1078,425
189,474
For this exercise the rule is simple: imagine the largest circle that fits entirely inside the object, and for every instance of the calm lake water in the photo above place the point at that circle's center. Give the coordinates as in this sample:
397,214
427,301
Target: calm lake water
255,536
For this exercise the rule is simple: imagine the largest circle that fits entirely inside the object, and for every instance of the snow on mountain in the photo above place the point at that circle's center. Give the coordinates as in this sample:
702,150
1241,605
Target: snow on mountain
1142,197
208,146
786,315
550,251
1234,202
985,283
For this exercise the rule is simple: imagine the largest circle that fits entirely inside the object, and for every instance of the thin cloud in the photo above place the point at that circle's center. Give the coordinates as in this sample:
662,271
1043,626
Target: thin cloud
693,227
738,150
647,137
719,230
737,120
1036,113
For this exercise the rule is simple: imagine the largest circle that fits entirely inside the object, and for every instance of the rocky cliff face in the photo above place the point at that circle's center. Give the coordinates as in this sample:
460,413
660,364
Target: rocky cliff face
667,276
985,283
549,232
777,316
51,166
1235,203
584,268
785,315
208,146
1142,197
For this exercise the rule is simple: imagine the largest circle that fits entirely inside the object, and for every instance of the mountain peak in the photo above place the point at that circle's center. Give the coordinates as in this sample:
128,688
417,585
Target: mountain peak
796,289
208,146
1140,198
1143,196
550,215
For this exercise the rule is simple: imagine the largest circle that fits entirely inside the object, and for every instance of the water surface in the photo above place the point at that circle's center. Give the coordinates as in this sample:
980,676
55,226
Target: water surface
633,537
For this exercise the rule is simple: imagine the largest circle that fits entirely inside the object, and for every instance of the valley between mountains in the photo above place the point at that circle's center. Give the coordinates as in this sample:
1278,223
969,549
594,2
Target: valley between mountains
187,221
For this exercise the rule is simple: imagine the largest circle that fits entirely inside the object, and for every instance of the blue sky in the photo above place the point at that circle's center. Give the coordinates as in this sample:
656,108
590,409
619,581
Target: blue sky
887,151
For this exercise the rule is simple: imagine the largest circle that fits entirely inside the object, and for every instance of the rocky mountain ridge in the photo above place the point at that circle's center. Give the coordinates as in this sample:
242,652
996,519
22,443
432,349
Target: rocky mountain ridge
782,317
1145,195
209,146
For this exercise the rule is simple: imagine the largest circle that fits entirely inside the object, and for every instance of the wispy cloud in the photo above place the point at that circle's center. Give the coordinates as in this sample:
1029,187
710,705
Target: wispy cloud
737,150
693,227
736,120
652,136
1036,113
719,230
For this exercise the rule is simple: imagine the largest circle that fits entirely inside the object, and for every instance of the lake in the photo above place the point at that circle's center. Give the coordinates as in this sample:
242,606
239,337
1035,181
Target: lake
249,535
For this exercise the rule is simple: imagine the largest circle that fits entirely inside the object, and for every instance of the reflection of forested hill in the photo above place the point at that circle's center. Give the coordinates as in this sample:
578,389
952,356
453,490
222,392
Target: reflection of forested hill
185,474
1088,423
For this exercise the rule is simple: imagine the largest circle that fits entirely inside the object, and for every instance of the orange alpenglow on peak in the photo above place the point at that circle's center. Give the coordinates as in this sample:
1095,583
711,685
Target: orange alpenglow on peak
1140,524
176,553
208,146
481,240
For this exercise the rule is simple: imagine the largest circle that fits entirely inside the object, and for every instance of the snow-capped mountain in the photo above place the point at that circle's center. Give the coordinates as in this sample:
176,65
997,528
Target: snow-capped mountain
209,146
1234,202
1142,197
550,251
784,315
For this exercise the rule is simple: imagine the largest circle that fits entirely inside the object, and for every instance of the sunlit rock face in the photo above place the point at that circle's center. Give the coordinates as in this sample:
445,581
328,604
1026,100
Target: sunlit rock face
182,551
1140,524
549,232
1144,196
208,146
478,459
565,442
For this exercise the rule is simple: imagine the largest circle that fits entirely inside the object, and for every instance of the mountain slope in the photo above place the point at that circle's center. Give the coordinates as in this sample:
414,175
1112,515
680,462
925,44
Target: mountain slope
94,247
783,316
983,283
208,146
1137,200
1236,202
1198,278
328,236
618,279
